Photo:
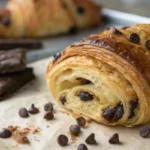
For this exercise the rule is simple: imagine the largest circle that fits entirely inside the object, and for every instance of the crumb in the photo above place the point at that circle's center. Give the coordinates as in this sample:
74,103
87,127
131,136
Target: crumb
64,112
47,126
35,131
73,138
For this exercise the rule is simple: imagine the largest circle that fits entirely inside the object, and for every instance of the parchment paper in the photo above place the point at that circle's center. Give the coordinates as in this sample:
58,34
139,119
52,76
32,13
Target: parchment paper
36,92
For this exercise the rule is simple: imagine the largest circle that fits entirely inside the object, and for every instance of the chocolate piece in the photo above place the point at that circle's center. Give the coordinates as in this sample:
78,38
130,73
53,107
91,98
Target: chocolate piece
23,113
144,132
115,31
7,44
82,147
62,140
33,109
91,139
73,30
114,139
49,115
12,61
56,56
133,105
48,107
13,81
63,99
147,44
80,10
85,96
134,38
81,121
113,114
74,129
5,17
83,81
5,133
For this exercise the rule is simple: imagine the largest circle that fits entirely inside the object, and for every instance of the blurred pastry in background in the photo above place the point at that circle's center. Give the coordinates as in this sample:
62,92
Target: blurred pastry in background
40,18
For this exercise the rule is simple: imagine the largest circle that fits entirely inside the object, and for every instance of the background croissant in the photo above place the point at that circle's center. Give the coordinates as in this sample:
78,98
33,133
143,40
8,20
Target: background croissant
106,76
38,18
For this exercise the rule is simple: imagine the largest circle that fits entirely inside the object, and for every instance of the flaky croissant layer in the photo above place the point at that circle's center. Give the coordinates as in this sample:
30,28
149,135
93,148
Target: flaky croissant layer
101,77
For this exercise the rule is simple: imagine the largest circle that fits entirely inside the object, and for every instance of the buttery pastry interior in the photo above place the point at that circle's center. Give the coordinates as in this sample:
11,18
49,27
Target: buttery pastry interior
105,77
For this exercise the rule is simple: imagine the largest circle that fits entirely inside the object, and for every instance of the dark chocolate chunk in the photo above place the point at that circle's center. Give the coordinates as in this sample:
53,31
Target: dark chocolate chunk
33,109
48,107
147,44
56,56
5,21
49,115
82,147
74,129
91,139
62,140
5,17
115,31
83,81
134,38
12,61
73,30
5,133
133,106
85,96
7,44
23,113
81,121
144,132
63,100
80,10
12,82
113,114
114,139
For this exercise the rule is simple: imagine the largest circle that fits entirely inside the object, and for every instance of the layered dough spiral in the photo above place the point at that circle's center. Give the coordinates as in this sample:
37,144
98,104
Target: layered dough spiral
105,77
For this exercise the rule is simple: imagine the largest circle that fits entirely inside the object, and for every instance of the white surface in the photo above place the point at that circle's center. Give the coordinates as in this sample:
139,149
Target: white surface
36,92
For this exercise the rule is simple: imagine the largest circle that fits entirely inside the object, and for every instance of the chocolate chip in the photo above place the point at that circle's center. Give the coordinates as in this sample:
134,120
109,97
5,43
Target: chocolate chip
147,44
56,56
85,96
82,147
62,140
48,107
115,31
83,81
91,139
133,106
33,109
81,121
23,113
5,22
80,10
114,139
134,38
144,132
73,30
63,100
74,129
5,133
49,115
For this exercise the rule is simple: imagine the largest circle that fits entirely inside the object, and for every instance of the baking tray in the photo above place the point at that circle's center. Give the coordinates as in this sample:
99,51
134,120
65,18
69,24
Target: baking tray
111,18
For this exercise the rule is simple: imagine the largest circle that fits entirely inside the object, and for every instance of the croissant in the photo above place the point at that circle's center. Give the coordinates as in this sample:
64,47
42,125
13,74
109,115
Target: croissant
38,18
106,76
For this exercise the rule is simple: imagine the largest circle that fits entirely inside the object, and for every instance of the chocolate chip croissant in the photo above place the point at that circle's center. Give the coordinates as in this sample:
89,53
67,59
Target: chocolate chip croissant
38,18
106,76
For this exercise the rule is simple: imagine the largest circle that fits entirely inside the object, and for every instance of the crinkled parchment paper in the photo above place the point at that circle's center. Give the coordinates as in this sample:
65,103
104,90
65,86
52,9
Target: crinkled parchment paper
36,92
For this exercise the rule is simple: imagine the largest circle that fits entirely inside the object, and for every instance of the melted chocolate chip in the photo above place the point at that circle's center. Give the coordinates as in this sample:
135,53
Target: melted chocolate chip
147,44
48,107
5,133
91,139
85,96
33,109
23,113
82,147
133,106
5,22
62,140
113,114
56,56
49,115
74,129
73,30
144,132
5,17
83,81
115,31
63,100
81,121
114,139
134,38
80,10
